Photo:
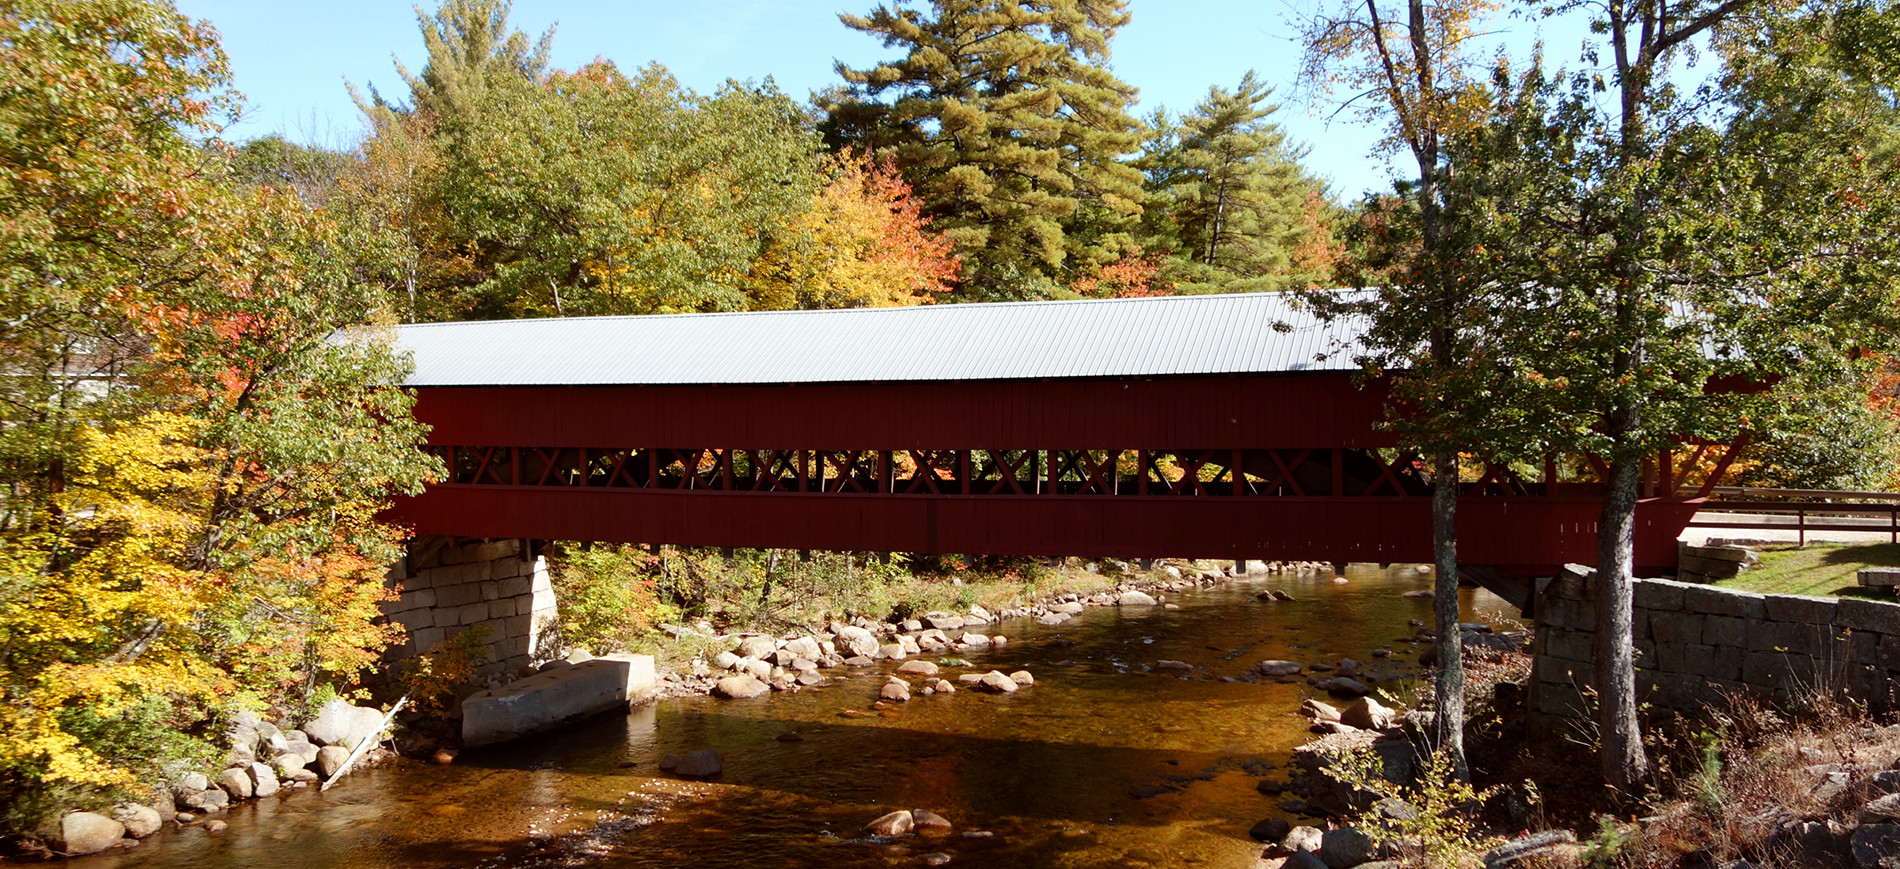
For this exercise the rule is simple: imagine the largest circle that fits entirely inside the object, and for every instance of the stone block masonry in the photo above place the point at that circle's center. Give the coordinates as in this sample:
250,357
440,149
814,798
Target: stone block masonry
1695,642
452,585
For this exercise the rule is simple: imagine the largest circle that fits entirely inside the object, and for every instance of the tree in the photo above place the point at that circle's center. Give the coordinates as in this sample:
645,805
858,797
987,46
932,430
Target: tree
1007,123
863,243
192,460
472,48
1429,320
1232,192
1659,243
594,193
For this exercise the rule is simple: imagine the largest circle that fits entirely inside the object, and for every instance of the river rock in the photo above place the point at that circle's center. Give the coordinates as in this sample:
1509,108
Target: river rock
88,833
1271,830
1303,860
1176,666
215,828
895,689
1303,839
943,686
999,640
891,652
1875,846
980,614
910,644
935,858
339,723
1067,608
1523,849
725,660
927,821
811,679
1345,687
1022,678
236,782
263,780
860,661
996,682
740,686
943,621
1318,711
1053,619
805,647
330,758
1346,847
894,824
1278,668
920,668
1134,598
208,800
1367,714
139,821
703,763
193,782
756,647
974,641
912,625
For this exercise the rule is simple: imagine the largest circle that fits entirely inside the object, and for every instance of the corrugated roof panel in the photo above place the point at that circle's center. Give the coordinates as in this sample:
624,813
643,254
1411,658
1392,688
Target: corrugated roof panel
1210,334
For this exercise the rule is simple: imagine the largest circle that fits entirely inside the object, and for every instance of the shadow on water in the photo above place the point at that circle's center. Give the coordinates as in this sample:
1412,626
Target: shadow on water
1104,761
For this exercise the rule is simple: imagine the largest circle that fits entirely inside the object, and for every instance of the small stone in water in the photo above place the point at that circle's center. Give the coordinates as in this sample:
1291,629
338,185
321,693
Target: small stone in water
936,858
215,827
894,824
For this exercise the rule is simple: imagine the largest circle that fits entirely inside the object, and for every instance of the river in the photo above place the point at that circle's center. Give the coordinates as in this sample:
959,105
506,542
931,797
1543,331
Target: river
1103,762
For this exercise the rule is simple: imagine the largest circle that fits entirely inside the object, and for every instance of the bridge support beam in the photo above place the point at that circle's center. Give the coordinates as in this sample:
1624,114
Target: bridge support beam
450,585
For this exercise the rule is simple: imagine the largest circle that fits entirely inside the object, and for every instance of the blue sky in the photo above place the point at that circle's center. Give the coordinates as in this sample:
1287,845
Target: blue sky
291,59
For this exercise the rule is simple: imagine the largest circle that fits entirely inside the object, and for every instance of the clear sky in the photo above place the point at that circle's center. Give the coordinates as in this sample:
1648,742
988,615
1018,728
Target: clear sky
291,59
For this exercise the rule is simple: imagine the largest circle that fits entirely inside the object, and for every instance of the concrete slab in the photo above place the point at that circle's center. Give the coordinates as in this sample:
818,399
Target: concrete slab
554,697
1878,577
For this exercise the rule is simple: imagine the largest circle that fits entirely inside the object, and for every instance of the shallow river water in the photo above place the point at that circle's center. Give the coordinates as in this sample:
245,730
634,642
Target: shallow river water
1103,762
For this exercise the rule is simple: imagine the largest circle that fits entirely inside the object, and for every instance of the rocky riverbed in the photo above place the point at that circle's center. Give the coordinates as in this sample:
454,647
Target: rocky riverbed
1141,742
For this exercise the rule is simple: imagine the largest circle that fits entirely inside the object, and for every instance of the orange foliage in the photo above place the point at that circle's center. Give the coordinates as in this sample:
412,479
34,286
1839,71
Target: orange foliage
1135,275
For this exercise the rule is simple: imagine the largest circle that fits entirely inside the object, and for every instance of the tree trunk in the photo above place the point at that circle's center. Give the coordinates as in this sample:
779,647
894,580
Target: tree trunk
1448,707
1625,766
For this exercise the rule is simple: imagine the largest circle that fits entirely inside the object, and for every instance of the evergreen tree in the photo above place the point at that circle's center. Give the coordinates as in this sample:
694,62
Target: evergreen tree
1233,191
471,48
1008,124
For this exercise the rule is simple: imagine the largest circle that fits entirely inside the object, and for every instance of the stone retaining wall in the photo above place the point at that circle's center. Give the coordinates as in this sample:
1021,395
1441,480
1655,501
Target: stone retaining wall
449,586
1693,641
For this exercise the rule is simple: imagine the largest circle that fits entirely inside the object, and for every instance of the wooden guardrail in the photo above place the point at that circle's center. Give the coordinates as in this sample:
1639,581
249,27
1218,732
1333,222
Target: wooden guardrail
1804,510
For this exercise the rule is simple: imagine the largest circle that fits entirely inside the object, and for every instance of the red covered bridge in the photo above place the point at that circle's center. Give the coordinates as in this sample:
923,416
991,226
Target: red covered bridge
1225,426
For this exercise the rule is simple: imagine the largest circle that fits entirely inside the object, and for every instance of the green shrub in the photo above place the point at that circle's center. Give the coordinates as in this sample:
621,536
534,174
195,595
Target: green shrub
609,596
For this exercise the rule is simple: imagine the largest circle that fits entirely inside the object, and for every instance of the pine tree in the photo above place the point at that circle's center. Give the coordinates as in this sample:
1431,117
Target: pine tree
1233,191
1006,121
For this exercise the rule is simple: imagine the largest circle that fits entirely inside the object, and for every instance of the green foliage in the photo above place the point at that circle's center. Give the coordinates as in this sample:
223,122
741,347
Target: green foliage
609,599
1008,123
1612,844
1442,831
438,676
1229,197
1817,430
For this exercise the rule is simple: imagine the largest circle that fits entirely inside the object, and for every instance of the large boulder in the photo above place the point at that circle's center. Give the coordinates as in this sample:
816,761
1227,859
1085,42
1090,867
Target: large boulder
330,758
1366,713
996,682
263,780
339,723
742,686
757,647
140,821
1134,598
206,801
236,781
1346,847
88,833
805,647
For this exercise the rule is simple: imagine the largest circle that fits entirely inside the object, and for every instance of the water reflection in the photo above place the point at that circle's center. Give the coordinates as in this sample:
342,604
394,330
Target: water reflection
1104,761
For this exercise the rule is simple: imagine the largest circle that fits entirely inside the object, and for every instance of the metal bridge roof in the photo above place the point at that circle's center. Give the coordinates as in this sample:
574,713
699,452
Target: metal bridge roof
1168,335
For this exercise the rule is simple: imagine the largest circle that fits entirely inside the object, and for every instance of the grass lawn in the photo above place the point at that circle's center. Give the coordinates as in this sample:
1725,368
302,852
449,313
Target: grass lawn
1825,569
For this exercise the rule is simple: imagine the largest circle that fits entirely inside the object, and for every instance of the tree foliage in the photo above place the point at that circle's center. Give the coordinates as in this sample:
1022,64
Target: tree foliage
193,462
1006,120
1231,203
